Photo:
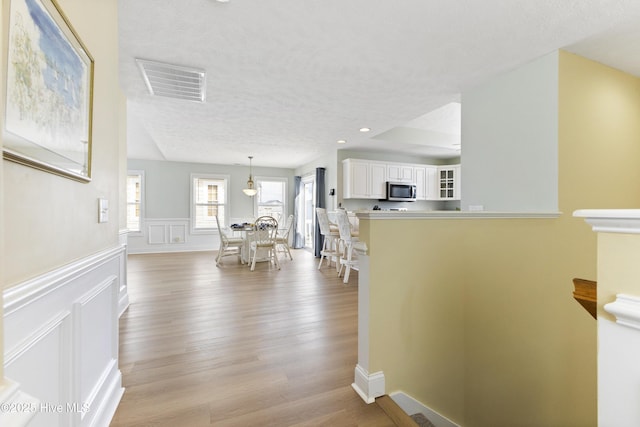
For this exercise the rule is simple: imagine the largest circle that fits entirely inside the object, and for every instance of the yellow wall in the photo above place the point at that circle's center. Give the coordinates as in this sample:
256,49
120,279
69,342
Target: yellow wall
478,322
49,221
618,268
487,333
600,144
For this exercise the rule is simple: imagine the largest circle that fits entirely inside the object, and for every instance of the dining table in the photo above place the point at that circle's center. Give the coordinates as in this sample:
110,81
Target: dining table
244,229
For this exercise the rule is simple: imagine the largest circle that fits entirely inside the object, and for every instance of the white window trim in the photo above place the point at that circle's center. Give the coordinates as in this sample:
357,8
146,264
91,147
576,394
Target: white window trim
143,195
192,213
285,206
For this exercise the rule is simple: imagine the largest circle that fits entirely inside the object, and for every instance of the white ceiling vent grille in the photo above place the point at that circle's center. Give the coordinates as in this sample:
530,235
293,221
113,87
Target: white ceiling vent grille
173,81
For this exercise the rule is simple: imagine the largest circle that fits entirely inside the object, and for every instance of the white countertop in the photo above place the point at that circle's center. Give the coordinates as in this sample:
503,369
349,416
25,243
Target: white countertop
383,214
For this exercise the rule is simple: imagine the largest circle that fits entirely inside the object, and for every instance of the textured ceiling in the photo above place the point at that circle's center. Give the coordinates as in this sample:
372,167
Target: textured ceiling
286,79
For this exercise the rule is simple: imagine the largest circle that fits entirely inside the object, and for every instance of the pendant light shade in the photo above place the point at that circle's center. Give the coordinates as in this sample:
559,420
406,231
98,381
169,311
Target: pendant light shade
250,190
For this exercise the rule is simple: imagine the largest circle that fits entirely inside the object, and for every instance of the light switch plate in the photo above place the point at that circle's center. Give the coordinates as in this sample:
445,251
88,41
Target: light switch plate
103,210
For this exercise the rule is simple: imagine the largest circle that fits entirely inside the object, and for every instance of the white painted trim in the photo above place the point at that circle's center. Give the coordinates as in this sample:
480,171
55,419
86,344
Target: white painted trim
160,235
626,309
368,386
123,297
17,408
611,220
61,339
108,399
402,215
412,406
363,312
16,297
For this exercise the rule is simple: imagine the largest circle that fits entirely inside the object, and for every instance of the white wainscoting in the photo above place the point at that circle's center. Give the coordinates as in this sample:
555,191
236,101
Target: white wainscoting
61,340
123,298
170,235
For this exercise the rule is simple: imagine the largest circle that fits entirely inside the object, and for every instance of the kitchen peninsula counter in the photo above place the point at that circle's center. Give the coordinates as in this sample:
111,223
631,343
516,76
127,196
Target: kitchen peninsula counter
403,215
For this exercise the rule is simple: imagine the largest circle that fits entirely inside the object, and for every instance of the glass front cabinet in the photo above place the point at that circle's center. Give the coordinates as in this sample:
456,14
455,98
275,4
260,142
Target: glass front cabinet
449,182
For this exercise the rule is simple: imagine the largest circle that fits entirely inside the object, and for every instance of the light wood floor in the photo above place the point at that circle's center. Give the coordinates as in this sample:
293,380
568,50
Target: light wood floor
201,345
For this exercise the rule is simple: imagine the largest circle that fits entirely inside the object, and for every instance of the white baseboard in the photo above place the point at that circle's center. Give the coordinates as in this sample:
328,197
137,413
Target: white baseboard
411,406
17,407
112,391
368,386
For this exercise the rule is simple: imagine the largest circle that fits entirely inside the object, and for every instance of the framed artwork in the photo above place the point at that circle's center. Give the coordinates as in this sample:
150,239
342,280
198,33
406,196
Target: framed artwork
49,92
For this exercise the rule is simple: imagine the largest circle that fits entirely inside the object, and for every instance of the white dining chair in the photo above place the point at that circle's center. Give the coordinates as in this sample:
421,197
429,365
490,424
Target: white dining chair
329,249
263,241
229,245
348,257
282,238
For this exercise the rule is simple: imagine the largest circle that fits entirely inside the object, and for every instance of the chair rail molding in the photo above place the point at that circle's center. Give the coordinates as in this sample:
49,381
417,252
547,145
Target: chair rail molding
626,309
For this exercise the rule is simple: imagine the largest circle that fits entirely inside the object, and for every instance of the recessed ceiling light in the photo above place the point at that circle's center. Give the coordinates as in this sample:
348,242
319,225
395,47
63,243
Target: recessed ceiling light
342,141
365,129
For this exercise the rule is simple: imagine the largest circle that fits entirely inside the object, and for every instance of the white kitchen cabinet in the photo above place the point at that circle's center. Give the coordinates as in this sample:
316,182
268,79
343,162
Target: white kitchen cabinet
398,172
425,178
364,179
420,179
378,175
449,182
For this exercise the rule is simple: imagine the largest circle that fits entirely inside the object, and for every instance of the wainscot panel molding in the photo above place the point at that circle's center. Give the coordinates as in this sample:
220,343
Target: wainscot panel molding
171,235
123,298
61,340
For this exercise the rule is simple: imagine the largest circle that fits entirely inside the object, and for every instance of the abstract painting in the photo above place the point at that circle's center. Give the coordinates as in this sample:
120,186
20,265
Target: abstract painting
48,109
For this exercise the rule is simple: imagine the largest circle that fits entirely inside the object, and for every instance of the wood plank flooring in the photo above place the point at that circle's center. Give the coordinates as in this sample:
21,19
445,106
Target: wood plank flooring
202,345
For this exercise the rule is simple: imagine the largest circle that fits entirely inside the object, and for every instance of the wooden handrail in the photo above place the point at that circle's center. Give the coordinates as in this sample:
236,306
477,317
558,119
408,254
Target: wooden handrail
586,293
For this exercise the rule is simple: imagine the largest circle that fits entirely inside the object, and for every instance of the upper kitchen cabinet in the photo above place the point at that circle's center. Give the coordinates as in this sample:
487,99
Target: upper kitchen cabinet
397,172
366,179
449,182
363,179
425,178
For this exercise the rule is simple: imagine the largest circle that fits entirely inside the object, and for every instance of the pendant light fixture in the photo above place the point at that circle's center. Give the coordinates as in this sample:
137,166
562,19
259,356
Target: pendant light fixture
250,191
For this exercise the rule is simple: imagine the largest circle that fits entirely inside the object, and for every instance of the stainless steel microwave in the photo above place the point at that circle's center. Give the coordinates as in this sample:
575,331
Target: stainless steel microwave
401,192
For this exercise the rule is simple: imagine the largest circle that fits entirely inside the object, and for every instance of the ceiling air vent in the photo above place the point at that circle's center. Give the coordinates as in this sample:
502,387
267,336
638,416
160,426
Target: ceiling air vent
173,81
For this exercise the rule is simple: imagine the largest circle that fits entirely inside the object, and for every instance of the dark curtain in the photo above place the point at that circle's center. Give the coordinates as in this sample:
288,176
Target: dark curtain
298,238
320,203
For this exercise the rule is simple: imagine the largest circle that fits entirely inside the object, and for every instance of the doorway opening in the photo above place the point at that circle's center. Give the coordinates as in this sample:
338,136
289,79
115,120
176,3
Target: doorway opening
309,209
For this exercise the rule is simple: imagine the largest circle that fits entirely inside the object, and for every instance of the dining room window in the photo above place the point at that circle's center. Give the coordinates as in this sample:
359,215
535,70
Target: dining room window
135,181
271,197
208,200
